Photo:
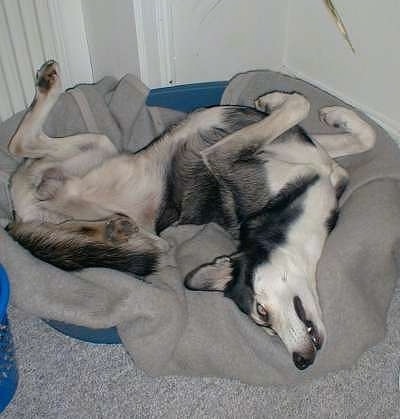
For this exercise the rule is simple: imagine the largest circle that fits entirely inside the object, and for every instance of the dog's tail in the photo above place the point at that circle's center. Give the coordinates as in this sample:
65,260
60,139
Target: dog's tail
72,251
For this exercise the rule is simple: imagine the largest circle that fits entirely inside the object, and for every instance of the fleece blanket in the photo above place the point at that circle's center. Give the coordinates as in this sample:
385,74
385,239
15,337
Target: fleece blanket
172,331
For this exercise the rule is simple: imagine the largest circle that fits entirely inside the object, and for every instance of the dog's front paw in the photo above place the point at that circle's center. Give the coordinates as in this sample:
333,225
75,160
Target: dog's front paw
294,104
339,117
363,134
119,229
271,101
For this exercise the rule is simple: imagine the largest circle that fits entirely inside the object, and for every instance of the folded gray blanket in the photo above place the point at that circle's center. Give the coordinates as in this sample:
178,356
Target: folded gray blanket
170,330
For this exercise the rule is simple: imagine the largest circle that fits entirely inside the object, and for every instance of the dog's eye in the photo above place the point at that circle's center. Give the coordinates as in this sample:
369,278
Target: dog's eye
261,310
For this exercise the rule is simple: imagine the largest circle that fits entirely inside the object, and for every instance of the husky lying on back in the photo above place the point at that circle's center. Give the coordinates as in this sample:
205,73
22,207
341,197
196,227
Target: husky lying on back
79,203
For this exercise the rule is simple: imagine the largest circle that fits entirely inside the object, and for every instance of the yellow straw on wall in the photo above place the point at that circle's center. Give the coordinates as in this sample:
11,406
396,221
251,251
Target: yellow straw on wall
339,23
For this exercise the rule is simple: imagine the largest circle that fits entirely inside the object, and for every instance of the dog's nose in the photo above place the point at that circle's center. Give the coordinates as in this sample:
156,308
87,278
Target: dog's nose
303,362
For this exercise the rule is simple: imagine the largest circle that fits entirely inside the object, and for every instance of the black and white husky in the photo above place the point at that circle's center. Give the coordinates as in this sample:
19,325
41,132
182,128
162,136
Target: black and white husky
79,203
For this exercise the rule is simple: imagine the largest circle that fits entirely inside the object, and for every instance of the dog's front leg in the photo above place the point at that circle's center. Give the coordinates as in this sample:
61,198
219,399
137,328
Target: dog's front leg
358,135
287,110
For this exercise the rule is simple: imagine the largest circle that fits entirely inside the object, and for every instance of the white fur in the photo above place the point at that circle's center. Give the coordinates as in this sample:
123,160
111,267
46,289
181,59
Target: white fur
291,271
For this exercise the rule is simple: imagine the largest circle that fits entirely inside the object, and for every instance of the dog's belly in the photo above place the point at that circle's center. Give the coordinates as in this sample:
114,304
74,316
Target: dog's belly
124,184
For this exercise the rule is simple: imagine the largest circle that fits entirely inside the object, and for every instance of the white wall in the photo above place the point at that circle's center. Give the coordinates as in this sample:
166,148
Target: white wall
317,52
31,32
184,41
214,40
111,33
181,41
68,29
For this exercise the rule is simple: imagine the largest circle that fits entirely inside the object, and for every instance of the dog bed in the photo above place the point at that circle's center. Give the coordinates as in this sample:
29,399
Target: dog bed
169,330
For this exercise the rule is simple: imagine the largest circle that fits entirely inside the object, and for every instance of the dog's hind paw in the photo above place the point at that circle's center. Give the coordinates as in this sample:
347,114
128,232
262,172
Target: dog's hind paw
48,78
119,229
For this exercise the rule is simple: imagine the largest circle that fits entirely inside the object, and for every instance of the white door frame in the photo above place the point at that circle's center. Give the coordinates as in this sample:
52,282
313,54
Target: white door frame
154,30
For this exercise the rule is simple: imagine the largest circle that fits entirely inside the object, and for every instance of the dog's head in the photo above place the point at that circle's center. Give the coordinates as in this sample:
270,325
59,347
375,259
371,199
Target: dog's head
272,278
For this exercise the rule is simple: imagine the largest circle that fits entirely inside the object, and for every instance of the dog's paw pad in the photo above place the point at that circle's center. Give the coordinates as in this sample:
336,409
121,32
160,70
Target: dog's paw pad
48,77
338,117
119,229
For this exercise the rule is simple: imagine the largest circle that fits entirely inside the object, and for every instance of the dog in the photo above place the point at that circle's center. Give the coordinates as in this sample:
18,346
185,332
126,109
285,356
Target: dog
80,203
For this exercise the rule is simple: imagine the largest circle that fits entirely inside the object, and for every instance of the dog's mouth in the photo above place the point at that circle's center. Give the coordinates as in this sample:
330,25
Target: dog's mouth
316,337
305,358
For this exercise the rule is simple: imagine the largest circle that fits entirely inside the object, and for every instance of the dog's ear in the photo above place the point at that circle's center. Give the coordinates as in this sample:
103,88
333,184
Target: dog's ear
212,276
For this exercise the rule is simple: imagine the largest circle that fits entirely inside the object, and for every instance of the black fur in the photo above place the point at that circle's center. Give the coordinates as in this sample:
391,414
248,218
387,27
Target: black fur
332,220
298,306
238,117
240,289
193,195
304,135
340,187
73,252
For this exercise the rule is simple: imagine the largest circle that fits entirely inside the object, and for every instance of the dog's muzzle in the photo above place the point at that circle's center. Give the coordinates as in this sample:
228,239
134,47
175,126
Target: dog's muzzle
305,359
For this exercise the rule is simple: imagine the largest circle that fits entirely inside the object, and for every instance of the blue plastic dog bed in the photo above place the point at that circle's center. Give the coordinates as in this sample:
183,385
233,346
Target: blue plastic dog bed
184,98
8,368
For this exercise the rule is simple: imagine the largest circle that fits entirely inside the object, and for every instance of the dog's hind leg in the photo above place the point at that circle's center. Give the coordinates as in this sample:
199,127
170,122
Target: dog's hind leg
30,141
114,242
27,140
287,111
358,137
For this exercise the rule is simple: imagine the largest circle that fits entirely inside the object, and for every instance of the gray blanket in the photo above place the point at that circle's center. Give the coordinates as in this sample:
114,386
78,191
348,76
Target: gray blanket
169,330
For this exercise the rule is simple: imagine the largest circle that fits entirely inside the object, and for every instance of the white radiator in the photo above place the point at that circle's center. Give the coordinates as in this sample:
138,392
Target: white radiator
26,40
32,31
